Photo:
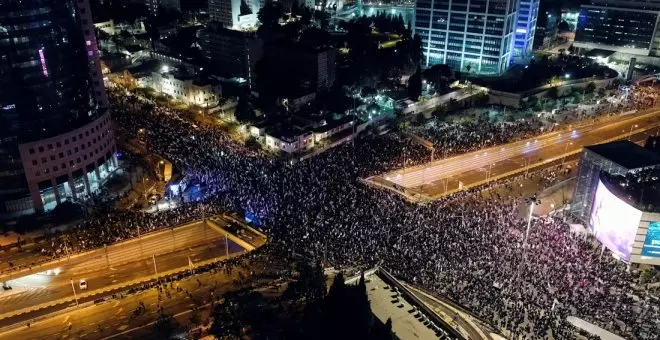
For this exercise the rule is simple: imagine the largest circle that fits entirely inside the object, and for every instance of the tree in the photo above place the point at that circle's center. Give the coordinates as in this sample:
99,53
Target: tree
310,284
415,84
323,18
65,212
452,105
420,119
165,326
270,14
481,99
553,93
244,112
245,9
306,15
416,52
440,112
590,88
563,26
295,8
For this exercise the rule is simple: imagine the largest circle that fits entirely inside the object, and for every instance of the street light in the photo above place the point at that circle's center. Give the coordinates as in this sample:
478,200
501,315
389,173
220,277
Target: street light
74,293
631,129
567,76
565,150
532,201
490,166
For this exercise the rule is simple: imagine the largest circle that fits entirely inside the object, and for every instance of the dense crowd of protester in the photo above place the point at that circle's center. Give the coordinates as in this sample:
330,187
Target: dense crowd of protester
475,135
468,247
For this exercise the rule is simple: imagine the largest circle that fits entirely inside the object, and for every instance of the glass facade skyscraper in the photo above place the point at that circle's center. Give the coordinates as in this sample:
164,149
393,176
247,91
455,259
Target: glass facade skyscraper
621,26
523,42
467,34
50,85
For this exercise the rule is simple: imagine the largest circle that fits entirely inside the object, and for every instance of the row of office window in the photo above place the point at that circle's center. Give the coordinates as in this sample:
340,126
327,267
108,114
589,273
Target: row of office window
476,6
95,129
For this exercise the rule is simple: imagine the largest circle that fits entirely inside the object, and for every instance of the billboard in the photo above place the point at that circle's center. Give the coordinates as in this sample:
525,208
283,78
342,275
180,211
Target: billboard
614,222
652,242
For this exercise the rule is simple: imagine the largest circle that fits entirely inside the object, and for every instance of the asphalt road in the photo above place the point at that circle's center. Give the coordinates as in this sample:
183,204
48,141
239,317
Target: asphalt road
442,177
116,253
113,319
127,261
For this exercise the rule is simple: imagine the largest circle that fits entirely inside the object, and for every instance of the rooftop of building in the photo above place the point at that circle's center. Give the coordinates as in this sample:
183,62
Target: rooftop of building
287,133
597,52
217,27
329,124
411,318
145,67
627,154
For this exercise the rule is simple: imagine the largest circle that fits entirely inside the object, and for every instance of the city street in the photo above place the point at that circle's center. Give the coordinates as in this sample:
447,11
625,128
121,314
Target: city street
114,319
122,263
447,176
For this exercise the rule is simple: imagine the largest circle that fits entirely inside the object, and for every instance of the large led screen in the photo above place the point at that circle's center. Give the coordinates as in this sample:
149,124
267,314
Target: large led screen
614,222
652,241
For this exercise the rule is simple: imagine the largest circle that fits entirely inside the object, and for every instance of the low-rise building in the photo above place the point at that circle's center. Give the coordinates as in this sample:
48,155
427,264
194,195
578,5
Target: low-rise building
106,26
289,140
187,88
299,133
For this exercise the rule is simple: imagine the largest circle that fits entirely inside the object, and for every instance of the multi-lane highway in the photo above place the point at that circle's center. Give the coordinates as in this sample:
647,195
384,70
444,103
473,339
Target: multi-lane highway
121,263
153,243
114,319
446,176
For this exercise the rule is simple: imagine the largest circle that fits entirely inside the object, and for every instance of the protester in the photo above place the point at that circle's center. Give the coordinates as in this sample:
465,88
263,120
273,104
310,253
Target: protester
468,247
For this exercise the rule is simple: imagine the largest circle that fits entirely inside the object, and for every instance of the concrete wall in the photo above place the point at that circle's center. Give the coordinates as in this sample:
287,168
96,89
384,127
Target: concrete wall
512,99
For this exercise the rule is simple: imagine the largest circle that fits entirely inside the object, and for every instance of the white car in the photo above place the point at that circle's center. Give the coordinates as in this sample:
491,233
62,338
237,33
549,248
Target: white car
83,284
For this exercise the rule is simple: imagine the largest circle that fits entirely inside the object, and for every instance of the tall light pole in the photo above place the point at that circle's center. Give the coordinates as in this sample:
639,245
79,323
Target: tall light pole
631,130
74,293
532,201
565,150
139,239
153,256
227,245
490,166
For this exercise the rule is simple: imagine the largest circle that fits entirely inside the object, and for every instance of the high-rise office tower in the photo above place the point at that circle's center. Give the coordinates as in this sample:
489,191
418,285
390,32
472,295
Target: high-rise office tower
625,26
153,6
56,138
229,12
523,40
467,34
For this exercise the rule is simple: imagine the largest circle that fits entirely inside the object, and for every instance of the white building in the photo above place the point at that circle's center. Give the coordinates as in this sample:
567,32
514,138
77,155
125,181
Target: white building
293,139
228,12
106,26
186,88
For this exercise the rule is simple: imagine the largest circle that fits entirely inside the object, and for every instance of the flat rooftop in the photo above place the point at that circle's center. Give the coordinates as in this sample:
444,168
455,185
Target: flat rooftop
627,154
404,323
